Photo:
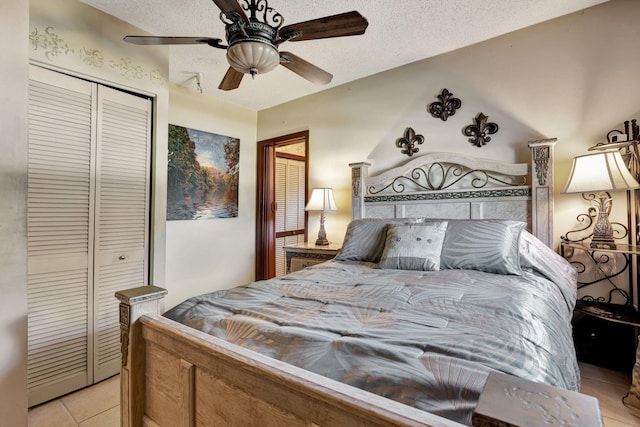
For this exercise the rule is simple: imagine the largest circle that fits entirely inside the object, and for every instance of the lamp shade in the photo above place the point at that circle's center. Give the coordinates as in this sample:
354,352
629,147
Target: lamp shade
253,57
603,171
322,201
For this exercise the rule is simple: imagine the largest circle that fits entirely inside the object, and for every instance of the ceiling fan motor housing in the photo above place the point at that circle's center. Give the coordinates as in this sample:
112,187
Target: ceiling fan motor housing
252,43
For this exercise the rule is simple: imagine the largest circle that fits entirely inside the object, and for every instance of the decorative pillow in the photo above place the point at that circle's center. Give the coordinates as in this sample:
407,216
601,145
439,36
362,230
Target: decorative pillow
364,239
485,245
413,246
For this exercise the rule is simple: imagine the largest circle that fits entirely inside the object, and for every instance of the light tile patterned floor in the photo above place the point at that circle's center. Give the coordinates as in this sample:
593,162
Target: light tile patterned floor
98,406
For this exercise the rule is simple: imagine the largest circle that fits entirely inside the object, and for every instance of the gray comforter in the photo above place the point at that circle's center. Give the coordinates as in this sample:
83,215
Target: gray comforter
426,339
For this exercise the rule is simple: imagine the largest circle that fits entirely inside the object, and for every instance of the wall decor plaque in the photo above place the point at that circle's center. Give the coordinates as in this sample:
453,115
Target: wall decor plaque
408,142
446,107
480,130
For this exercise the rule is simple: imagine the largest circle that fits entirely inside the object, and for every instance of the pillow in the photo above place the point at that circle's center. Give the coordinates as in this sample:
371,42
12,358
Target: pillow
485,245
413,246
364,239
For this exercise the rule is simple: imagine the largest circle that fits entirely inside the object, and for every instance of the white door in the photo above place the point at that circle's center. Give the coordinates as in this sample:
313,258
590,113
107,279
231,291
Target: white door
122,215
85,165
290,197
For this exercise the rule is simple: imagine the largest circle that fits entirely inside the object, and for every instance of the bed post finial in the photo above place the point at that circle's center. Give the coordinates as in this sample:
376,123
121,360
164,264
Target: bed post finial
542,189
359,173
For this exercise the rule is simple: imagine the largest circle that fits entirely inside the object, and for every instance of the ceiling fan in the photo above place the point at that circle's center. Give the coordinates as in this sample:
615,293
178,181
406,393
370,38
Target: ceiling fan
253,41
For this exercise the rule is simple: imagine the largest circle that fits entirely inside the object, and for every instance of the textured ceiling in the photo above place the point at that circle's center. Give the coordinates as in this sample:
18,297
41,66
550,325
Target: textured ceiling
399,32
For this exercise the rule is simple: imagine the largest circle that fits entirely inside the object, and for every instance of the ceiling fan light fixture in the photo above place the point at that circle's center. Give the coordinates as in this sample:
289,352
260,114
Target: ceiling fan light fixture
253,57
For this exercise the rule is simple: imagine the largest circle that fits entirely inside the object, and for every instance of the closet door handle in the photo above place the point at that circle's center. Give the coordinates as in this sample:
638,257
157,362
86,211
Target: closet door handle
122,257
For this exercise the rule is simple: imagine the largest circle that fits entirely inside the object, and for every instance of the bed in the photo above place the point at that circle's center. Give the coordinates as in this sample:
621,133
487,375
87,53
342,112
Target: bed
388,333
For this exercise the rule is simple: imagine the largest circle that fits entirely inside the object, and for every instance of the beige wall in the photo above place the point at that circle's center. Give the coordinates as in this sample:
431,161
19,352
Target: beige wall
13,205
211,254
573,78
71,37
189,257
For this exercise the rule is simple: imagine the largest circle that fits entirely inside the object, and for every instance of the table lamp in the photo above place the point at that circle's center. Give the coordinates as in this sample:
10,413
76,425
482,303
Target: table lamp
598,174
321,201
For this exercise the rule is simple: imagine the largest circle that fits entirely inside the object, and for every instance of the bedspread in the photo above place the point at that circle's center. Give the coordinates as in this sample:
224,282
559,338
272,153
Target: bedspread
424,338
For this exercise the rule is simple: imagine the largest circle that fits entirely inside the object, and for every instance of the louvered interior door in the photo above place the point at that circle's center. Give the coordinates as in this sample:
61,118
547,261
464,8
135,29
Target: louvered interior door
290,200
88,198
122,212
59,244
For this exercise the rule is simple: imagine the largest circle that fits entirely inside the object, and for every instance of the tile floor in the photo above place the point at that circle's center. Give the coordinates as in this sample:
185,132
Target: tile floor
98,406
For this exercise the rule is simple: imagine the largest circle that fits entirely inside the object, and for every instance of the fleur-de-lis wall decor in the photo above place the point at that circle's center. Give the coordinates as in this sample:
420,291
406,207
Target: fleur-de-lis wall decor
480,131
446,107
409,141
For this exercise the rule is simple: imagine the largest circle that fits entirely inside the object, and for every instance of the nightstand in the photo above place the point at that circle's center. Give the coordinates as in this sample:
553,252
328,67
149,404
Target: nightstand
604,332
305,254
596,258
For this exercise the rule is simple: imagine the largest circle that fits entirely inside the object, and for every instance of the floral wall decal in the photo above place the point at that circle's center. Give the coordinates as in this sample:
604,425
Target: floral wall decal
480,131
50,42
92,57
409,141
54,48
127,68
446,107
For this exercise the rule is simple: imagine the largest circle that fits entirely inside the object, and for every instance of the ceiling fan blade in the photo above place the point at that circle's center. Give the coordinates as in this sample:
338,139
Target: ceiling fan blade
305,69
154,40
231,80
344,24
228,7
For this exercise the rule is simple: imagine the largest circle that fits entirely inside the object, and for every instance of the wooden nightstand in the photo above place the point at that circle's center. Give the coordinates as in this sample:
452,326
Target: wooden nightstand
305,254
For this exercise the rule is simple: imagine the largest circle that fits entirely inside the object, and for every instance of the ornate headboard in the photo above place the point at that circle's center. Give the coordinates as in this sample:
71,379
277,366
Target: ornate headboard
447,185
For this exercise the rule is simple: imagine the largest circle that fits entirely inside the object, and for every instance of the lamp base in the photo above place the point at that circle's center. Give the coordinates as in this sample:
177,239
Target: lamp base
602,230
322,235
322,242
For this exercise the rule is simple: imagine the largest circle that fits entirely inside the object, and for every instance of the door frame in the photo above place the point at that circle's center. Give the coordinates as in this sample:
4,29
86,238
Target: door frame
266,199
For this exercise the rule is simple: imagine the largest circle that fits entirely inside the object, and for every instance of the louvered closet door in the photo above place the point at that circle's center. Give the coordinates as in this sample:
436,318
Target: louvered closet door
60,219
290,196
122,212
88,215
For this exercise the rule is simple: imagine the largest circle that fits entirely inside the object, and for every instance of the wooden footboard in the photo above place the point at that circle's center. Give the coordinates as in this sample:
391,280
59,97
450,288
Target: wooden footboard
173,375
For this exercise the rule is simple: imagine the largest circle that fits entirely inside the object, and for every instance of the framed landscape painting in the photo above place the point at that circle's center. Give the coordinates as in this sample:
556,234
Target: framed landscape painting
203,172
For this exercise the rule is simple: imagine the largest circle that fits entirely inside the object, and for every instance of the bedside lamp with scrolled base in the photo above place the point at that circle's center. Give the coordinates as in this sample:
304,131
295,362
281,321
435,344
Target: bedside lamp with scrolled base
595,175
321,201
